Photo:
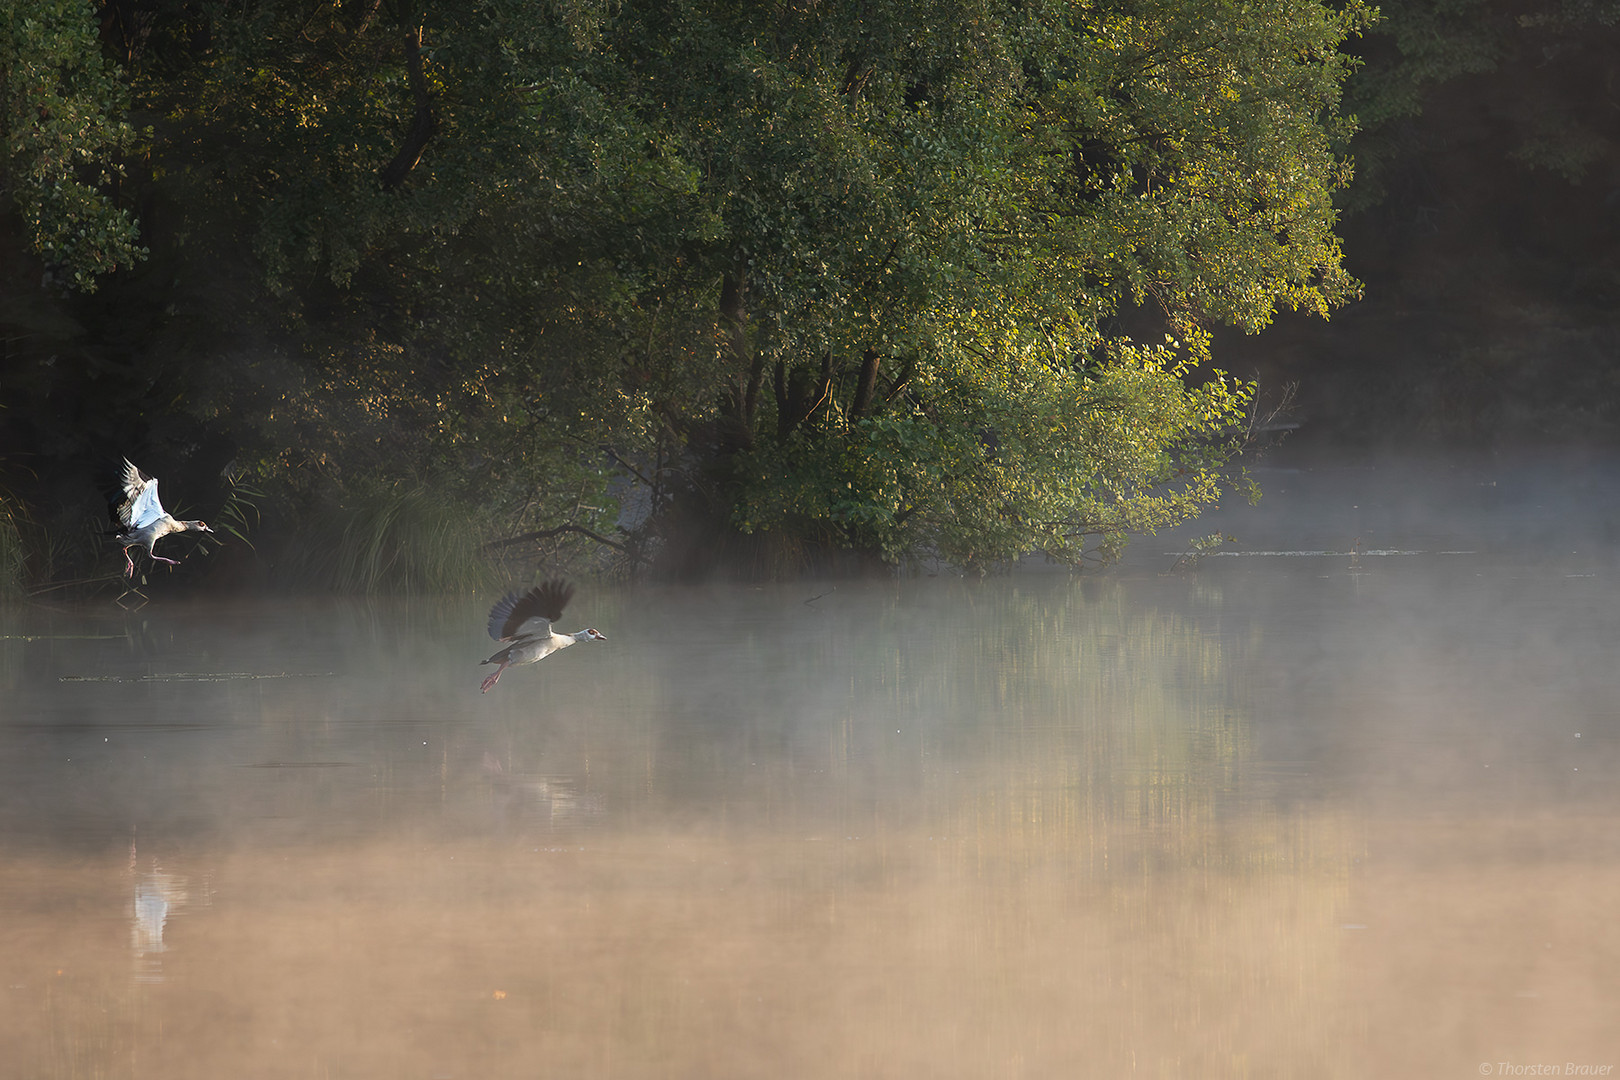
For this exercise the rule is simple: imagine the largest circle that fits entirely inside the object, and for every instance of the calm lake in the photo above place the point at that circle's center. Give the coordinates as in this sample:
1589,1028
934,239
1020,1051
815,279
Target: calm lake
1342,801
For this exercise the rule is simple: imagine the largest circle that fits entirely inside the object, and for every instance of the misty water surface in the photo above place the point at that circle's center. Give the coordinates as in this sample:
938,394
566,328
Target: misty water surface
1339,814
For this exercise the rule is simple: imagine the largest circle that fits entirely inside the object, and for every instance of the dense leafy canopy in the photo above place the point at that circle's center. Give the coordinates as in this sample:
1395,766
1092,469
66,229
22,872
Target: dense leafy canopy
843,273
61,131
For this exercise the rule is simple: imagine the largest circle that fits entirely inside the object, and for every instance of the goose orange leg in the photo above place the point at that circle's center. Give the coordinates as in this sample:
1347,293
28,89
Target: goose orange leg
493,679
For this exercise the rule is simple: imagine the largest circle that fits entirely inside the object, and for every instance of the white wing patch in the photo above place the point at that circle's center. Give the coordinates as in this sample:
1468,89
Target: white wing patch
142,507
532,627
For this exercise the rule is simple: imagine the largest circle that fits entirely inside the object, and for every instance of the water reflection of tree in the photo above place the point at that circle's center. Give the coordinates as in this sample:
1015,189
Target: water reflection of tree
1075,710
1037,709
1016,807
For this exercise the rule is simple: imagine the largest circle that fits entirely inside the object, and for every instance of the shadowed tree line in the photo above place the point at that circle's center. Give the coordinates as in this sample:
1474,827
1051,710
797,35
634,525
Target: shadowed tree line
402,287
1485,222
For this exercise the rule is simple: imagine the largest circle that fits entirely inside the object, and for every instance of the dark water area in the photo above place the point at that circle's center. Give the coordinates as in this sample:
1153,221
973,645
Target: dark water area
1340,800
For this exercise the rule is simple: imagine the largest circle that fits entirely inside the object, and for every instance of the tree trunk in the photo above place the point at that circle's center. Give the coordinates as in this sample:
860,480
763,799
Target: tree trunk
423,124
751,368
867,384
796,399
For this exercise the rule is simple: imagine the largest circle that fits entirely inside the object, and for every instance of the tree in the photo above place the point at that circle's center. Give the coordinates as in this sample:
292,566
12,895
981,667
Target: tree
842,274
62,133
907,228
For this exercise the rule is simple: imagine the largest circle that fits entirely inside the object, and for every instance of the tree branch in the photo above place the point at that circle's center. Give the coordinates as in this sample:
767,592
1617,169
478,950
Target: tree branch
794,403
855,76
626,466
901,380
546,534
365,20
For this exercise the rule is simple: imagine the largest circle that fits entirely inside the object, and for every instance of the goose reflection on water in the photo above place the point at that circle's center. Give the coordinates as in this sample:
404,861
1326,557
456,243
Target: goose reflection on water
157,896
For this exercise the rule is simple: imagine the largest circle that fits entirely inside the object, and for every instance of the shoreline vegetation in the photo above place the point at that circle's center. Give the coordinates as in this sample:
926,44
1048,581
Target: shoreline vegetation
426,296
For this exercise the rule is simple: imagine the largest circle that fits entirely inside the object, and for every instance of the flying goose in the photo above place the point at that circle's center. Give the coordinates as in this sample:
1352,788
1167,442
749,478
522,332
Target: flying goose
524,619
144,520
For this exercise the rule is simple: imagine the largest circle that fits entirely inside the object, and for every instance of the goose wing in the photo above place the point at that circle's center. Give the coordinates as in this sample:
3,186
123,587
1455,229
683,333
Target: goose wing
141,506
522,614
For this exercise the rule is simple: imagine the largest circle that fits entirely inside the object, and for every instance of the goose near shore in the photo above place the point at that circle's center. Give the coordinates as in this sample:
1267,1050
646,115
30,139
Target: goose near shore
144,520
523,619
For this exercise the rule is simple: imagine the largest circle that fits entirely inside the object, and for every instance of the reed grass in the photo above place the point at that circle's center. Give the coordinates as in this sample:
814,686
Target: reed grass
390,539
13,550
239,516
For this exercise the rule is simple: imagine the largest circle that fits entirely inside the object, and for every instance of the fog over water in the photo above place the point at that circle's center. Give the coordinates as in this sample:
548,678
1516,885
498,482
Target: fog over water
1340,801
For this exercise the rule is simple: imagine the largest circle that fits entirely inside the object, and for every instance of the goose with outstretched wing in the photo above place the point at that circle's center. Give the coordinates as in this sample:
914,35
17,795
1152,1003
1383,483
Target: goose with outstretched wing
523,619
144,520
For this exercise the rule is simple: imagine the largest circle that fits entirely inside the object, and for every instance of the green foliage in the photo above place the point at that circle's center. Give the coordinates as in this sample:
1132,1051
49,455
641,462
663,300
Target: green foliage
852,273
1022,457
922,242
61,138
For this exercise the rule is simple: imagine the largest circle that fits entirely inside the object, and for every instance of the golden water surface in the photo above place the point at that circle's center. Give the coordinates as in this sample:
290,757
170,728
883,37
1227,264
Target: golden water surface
1276,820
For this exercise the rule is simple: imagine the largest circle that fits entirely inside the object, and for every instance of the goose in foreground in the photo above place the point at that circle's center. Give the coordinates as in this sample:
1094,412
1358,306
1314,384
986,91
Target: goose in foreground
524,619
144,520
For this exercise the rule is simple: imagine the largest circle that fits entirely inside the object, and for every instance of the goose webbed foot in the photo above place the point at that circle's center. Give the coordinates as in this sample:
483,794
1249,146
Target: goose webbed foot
492,680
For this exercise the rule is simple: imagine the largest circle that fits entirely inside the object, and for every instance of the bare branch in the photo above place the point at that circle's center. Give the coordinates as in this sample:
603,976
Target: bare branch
546,534
625,465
